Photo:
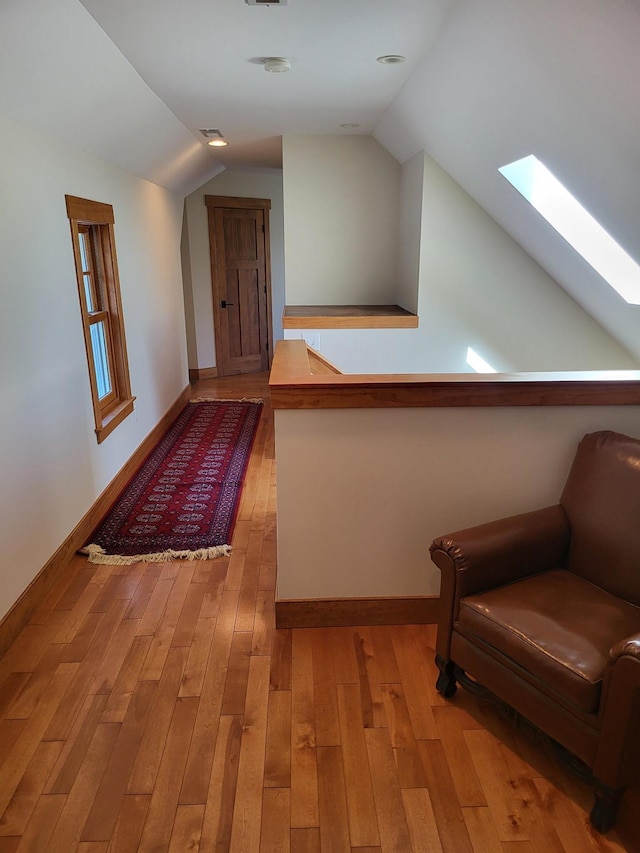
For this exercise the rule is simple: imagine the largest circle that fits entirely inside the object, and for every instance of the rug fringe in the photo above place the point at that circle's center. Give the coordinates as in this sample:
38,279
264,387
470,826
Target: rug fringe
96,554
219,400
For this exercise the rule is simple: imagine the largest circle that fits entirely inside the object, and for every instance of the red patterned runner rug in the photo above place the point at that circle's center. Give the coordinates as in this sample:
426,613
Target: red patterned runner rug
183,501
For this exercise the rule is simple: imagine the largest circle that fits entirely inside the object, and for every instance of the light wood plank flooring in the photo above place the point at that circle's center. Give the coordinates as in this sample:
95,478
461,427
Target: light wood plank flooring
155,708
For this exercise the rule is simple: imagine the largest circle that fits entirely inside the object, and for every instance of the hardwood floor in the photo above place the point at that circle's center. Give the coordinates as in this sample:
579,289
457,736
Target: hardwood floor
155,708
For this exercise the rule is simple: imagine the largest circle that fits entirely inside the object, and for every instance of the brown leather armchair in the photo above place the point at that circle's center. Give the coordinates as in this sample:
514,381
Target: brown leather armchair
543,609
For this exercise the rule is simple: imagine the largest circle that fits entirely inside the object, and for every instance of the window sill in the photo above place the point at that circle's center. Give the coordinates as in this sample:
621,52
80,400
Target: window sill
114,418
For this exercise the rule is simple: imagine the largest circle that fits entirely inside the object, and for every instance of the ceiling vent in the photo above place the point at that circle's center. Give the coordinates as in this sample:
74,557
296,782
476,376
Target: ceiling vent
266,2
277,64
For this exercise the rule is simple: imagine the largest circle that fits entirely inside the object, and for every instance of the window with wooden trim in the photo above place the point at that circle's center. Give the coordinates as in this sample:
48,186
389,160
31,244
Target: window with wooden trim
94,250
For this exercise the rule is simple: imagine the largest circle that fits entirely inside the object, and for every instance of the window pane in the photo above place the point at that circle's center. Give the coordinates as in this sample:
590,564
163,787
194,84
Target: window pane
84,240
84,250
88,293
100,359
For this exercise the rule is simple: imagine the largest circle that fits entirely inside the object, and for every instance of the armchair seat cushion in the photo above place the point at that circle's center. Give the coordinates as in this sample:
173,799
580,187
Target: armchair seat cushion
555,626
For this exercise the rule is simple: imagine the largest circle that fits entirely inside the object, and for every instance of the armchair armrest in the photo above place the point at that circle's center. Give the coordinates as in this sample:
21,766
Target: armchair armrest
493,554
628,646
496,553
618,755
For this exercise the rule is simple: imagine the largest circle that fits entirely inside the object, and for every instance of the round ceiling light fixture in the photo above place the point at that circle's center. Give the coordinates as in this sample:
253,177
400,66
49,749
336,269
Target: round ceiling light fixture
277,64
391,59
214,137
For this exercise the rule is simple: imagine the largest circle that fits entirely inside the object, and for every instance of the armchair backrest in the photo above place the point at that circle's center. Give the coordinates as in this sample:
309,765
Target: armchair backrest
602,501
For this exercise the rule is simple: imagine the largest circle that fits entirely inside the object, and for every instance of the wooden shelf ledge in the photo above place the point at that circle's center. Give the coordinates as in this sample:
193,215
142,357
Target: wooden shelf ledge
348,317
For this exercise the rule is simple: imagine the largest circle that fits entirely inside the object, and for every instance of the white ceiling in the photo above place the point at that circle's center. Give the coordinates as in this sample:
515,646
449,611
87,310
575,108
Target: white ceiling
485,82
203,59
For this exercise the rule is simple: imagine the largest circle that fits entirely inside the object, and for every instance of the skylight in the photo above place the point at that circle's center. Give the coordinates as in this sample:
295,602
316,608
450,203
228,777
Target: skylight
578,227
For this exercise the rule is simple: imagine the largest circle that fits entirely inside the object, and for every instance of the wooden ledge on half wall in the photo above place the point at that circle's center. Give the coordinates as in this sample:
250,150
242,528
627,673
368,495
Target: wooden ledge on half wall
348,317
296,383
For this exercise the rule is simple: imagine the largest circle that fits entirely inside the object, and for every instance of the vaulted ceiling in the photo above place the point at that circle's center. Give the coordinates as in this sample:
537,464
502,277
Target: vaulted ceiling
483,84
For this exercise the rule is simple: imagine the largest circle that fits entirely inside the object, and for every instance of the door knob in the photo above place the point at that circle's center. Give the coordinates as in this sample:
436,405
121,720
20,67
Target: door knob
225,304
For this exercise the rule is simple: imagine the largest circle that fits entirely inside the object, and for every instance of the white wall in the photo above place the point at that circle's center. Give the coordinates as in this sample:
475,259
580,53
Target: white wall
187,289
341,206
249,184
363,492
477,288
52,467
410,233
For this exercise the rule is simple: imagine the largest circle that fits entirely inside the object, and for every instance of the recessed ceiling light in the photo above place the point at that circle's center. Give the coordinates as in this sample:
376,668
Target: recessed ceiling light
391,59
215,137
277,64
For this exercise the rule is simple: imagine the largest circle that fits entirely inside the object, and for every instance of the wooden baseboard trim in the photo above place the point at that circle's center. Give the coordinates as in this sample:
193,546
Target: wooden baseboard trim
343,612
34,594
202,373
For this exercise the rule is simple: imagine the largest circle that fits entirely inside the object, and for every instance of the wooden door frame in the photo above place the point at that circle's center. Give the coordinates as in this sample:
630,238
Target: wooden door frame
238,203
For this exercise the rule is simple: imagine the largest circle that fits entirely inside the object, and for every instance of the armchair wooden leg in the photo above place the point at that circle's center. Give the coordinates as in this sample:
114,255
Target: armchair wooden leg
605,808
446,683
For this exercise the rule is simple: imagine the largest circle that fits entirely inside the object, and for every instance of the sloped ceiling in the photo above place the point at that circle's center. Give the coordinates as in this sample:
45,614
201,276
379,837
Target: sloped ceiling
556,78
483,84
63,77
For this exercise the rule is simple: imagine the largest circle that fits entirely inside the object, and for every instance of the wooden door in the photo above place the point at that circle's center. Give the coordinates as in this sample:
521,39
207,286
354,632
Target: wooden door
240,274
